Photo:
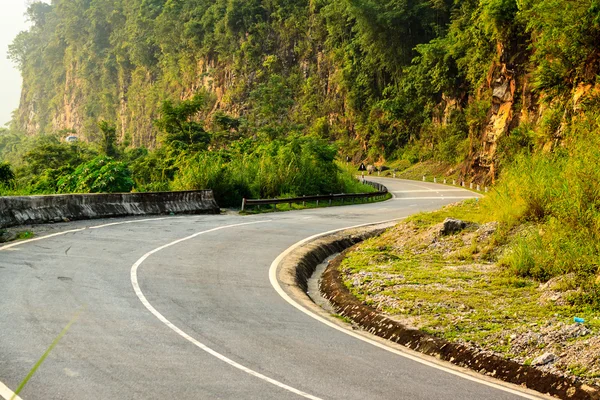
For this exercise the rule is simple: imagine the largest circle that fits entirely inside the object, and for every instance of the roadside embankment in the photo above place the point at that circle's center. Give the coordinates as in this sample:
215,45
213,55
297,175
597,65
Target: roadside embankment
297,267
57,208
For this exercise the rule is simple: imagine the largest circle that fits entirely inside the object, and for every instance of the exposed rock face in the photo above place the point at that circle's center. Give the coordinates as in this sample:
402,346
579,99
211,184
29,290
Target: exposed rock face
133,103
512,102
502,80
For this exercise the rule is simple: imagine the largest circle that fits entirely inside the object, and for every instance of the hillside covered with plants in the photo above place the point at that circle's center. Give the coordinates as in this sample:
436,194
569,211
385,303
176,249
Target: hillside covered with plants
415,80
259,97
188,157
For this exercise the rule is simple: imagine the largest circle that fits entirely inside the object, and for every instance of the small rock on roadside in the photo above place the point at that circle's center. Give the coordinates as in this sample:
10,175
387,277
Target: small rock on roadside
452,225
544,359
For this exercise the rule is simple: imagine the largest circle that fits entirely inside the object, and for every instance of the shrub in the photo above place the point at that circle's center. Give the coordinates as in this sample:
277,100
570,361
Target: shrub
300,166
7,176
101,175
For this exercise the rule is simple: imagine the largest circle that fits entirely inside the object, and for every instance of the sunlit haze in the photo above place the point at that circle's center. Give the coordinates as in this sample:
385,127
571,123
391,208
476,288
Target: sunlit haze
12,21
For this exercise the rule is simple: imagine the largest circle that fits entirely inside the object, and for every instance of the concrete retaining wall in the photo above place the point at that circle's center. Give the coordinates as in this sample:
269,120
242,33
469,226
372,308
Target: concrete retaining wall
43,209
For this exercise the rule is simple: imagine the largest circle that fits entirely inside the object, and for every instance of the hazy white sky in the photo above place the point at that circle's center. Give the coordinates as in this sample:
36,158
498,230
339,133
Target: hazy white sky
12,21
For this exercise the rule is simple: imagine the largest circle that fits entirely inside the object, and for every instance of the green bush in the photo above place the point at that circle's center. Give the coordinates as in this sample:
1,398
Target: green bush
101,175
300,166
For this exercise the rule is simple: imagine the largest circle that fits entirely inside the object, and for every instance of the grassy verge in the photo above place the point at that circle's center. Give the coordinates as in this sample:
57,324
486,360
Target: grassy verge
405,170
7,235
459,287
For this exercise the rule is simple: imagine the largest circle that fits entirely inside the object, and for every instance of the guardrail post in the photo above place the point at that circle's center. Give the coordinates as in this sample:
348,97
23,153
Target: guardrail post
317,203
486,189
471,185
444,181
303,202
478,188
424,178
434,180
243,203
454,182
331,194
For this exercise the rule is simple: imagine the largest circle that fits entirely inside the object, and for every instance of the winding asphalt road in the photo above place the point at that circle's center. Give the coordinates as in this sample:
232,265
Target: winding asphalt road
198,319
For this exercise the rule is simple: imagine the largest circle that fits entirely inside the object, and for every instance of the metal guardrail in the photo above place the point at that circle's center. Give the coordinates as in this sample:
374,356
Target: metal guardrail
381,192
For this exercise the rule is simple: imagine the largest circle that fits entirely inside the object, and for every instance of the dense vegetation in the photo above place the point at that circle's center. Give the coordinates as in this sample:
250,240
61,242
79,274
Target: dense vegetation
502,90
549,203
244,168
371,74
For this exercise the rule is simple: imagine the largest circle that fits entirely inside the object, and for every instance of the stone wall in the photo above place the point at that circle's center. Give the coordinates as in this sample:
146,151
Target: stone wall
57,208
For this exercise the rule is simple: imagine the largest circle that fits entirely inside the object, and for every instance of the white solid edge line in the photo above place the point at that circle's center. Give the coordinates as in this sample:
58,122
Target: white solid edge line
286,297
133,221
8,394
22,242
164,320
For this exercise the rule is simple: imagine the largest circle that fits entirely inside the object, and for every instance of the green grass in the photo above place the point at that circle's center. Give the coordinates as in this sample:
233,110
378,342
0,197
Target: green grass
470,210
24,235
452,286
430,169
342,318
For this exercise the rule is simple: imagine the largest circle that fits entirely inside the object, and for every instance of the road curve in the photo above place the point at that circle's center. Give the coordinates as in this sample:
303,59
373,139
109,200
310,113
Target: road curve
182,308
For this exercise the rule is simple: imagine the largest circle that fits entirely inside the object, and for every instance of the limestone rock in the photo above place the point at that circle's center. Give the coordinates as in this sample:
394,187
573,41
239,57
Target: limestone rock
544,359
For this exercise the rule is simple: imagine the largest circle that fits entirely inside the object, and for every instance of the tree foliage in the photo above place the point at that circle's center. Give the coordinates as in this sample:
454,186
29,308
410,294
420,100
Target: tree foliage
7,176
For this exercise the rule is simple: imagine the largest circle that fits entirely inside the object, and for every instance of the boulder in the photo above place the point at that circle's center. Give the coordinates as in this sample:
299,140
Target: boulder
452,225
544,359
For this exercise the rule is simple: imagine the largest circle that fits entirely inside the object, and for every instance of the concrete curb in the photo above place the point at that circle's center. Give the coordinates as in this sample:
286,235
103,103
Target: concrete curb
21,210
298,266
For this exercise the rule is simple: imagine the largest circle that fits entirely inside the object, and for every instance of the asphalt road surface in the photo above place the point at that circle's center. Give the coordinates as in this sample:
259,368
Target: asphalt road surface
157,317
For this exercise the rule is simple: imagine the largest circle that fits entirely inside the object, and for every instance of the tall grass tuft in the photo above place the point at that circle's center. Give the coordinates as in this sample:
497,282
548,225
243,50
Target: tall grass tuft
554,199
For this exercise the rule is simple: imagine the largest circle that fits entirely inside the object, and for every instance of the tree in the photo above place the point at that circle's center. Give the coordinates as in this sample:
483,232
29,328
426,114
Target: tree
7,176
272,102
179,123
108,143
